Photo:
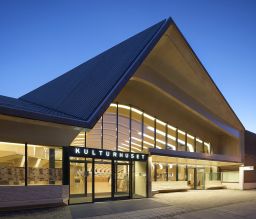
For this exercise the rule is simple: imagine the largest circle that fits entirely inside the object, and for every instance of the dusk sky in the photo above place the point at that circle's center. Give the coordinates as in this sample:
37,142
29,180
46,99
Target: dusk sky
40,40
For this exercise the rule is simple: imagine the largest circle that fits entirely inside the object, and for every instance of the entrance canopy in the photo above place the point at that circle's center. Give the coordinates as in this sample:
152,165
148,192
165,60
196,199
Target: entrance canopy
192,162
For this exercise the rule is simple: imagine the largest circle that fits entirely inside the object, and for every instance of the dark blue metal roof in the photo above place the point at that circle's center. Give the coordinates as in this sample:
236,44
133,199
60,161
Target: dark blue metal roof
16,107
86,91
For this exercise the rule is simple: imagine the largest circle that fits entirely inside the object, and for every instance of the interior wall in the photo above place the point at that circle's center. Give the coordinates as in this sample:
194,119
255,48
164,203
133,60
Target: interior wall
228,145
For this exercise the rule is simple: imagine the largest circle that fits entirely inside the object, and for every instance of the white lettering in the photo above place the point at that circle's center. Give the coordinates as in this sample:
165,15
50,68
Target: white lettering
126,155
137,156
100,152
132,156
143,156
107,153
93,153
86,151
121,154
77,150
114,154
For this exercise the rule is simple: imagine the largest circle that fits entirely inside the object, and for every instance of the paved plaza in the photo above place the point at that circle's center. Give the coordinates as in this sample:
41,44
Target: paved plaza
210,204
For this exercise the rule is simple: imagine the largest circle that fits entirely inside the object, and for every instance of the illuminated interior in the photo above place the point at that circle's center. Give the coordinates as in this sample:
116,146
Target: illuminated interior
126,128
44,164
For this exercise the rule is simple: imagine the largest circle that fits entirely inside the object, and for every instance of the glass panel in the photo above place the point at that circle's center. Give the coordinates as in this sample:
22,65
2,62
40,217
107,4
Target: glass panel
230,176
207,148
122,178
123,128
79,140
191,177
200,178
171,138
153,171
199,145
44,165
93,137
140,179
181,141
171,172
181,172
109,129
81,181
190,143
149,131
12,162
160,134
103,178
161,172
136,131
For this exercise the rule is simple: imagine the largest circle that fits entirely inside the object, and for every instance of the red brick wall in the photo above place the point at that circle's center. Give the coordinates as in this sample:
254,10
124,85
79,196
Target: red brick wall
250,156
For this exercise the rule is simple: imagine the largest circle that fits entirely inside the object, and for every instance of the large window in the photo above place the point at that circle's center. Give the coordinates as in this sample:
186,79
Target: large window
126,128
136,129
44,165
199,145
171,140
190,143
109,129
94,136
161,174
161,134
171,172
12,164
181,141
149,132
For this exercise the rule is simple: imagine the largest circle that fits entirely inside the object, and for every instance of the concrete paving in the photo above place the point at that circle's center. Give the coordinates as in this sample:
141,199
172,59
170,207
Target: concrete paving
210,204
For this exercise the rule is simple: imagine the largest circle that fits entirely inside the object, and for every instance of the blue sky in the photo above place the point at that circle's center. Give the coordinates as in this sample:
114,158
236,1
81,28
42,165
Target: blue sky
40,40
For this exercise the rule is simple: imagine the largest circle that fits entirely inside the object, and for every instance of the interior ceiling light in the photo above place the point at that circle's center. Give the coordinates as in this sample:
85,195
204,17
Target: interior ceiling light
149,117
160,122
181,132
190,136
137,111
124,106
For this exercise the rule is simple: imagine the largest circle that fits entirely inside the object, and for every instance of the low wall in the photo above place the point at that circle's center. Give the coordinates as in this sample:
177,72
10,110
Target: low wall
230,185
28,196
169,185
249,185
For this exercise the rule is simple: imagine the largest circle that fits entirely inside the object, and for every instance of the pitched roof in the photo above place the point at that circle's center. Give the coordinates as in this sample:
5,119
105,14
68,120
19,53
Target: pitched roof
86,91
17,107
80,96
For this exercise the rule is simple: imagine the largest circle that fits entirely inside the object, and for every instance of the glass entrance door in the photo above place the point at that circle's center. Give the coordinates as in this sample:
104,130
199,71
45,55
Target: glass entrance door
200,178
98,179
80,180
122,174
102,179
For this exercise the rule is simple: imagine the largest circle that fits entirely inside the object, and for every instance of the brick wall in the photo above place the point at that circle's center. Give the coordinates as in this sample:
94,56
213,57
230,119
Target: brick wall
250,156
24,196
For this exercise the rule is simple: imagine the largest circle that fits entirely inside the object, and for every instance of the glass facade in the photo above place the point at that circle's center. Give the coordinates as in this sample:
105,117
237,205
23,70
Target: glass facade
44,164
126,128
12,163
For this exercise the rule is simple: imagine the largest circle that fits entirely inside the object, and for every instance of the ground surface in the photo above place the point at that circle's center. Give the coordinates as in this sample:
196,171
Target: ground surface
209,204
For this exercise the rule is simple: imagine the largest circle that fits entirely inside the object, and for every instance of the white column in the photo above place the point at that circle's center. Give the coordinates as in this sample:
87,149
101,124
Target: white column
241,178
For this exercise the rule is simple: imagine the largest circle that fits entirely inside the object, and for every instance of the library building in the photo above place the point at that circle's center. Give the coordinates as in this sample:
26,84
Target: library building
143,117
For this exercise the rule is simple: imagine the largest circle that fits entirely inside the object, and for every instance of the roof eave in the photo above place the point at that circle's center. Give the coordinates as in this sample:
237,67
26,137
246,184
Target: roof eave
42,117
